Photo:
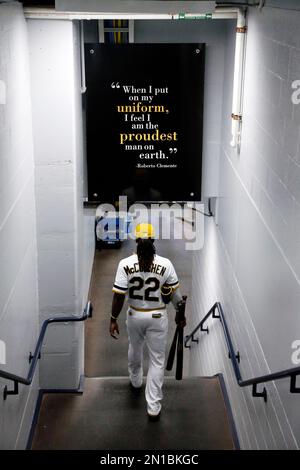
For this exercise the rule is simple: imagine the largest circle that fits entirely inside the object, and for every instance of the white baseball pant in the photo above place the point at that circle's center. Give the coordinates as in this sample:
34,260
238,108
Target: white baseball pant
143,328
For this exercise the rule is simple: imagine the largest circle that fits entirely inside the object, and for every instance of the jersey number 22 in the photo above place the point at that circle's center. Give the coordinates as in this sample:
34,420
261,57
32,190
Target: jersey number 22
140,284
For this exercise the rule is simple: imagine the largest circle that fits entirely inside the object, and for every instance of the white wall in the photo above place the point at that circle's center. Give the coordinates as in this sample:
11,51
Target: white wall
18,285
65,246
251,262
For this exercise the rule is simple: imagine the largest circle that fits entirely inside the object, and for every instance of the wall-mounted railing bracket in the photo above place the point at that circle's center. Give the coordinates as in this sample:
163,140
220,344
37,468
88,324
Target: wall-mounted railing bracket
204,329
7,392
187,338
237,356
31,356
215,315
262,394
293,386
195,340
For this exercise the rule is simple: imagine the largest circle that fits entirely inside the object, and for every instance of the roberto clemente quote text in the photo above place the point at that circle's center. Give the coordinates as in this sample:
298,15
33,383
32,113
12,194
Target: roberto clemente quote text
140,117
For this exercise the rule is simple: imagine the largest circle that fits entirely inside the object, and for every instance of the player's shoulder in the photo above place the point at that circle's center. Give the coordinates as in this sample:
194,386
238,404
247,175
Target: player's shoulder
162,260
128,260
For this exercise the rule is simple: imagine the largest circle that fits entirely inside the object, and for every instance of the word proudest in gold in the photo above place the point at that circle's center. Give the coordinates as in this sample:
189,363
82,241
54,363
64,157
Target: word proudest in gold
156,136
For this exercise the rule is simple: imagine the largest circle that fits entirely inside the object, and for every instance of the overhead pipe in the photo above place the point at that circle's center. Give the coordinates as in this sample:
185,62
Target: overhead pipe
238,80
239,65
51,13
82,59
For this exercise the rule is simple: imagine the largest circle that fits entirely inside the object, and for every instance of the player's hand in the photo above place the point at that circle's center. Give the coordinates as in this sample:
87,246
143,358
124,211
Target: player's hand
114,328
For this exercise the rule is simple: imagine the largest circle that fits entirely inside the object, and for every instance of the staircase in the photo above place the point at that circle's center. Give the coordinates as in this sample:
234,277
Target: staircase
108,415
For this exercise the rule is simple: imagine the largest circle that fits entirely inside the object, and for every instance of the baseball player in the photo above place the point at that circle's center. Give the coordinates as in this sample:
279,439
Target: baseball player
144,278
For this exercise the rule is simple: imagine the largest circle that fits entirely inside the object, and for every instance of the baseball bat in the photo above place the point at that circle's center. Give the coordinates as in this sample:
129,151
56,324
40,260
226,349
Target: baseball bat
172,352
177,344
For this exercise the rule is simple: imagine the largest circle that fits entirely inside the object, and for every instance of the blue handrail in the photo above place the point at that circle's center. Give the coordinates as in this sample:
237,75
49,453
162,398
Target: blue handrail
235,357
33,359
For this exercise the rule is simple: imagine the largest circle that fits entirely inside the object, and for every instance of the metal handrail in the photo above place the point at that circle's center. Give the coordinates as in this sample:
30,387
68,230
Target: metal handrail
33,358
235,357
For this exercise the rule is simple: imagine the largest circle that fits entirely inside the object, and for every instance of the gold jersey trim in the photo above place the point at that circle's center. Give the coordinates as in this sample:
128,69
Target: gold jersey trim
116,291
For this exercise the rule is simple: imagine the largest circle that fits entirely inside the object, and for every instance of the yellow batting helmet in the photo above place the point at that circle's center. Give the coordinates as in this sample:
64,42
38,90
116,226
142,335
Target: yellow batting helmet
144,231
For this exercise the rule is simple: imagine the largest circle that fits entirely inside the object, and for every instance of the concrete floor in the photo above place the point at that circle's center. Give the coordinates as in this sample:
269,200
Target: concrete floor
108,416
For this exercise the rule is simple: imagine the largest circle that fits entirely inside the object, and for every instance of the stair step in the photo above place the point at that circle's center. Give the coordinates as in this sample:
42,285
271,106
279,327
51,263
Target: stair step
109,416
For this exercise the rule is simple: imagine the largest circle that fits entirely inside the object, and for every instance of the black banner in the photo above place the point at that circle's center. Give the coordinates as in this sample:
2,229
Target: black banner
144,121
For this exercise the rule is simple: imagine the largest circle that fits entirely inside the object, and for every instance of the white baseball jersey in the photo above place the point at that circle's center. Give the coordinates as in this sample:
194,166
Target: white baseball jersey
144,289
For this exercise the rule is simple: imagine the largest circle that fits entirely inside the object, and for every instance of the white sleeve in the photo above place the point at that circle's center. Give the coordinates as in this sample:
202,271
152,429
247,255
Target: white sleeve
172,279
121,281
